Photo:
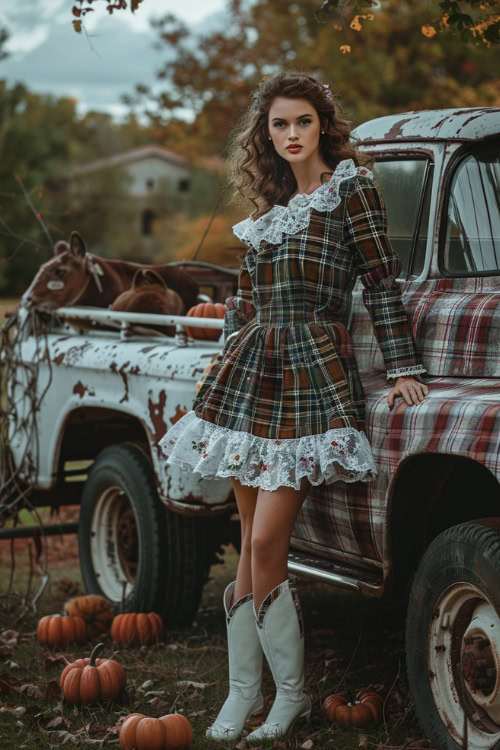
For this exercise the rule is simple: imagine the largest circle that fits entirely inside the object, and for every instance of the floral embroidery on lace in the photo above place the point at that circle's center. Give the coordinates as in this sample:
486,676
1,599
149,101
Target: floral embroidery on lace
410,370
216,452
294,217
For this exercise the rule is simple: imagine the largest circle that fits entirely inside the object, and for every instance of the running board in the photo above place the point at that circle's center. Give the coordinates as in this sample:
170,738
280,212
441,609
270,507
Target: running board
337,574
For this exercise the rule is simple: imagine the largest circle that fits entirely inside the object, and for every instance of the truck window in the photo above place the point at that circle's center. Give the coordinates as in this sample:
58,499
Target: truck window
401,183
471,242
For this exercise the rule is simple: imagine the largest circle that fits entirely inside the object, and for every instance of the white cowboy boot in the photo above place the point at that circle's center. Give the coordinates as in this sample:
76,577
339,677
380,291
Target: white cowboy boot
245,668
281,633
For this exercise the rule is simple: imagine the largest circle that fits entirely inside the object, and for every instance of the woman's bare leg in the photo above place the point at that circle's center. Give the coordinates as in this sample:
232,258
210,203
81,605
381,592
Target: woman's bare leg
273,520
246,500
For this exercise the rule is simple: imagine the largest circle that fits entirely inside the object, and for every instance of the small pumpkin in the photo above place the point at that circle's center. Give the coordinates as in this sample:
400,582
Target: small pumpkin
359,713
133,627
92,679
170,732
97,611
59,630
206,310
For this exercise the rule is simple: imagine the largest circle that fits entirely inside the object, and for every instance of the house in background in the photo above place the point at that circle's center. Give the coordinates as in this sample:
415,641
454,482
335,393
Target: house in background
153,172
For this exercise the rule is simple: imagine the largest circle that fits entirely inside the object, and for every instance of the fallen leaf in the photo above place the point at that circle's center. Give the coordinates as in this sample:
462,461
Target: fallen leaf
32,690
362,741
96,728
18,711
197,685
58,722
307,745
146,685
159,704
9,637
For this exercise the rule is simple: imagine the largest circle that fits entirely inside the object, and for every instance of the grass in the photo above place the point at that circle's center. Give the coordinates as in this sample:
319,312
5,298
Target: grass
351,644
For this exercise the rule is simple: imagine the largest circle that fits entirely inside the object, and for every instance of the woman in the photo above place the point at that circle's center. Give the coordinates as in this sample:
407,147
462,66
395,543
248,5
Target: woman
282,407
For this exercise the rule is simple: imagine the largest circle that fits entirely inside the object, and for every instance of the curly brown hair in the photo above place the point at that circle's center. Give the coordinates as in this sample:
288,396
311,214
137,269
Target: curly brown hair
257,171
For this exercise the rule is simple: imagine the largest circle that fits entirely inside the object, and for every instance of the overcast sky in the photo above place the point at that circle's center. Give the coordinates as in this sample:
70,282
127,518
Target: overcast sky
50,57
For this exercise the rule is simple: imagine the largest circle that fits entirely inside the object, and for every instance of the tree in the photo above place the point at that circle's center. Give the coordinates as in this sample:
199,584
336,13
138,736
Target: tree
82,7
477,22
41,137
391,70
4,35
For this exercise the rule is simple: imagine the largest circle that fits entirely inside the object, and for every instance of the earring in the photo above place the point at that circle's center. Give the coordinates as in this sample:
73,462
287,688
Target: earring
270,138
323,132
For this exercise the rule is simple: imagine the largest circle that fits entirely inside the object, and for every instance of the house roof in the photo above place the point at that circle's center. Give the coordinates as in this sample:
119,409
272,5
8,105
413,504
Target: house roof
461,124
126,157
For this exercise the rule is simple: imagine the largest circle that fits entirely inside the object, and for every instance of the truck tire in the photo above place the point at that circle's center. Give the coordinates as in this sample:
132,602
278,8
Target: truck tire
453,638
128,537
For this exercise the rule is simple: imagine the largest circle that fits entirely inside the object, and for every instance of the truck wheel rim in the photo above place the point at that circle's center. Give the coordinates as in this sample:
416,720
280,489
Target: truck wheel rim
114,544
464,664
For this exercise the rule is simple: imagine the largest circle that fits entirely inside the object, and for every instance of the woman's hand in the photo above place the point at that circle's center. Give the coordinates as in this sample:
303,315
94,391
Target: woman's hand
410,389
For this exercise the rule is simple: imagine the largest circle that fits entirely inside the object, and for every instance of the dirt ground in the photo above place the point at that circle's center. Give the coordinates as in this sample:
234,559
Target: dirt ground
351,645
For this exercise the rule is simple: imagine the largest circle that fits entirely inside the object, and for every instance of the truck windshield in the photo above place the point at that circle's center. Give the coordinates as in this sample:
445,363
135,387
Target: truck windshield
401,183
472,237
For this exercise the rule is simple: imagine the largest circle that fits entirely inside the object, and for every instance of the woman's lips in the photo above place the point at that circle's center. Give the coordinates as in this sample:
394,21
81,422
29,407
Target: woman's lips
293,148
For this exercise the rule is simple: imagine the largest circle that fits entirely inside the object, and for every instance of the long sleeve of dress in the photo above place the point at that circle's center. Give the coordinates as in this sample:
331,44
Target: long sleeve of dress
378,267
240,307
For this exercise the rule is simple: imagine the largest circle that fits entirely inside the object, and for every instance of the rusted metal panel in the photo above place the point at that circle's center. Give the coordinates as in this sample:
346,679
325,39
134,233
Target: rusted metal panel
469,124
153,383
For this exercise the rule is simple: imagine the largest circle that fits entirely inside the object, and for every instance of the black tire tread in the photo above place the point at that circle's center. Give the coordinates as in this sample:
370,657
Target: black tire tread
484,542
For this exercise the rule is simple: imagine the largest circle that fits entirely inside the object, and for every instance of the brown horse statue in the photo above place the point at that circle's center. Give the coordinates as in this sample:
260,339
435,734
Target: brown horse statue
149,294
76,277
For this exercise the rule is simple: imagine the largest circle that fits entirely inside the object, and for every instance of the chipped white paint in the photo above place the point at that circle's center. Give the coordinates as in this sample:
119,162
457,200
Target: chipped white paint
470,123
151,380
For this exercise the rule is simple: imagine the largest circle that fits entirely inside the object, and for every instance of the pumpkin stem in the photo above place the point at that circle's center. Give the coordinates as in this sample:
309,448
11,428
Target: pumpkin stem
94,653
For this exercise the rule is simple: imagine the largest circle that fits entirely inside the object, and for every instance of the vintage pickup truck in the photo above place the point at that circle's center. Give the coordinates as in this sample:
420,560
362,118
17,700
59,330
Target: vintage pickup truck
427,531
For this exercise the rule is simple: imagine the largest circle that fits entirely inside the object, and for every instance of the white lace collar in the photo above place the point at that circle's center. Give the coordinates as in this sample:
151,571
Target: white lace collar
294,217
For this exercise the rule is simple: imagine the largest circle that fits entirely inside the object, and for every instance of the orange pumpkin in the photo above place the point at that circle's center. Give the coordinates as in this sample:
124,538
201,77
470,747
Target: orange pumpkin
359,713
59,630
95,610
132,627
91,679
170,732
206,310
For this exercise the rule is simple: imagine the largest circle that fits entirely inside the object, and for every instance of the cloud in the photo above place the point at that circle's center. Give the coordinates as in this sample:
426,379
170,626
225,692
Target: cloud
96,70
51,58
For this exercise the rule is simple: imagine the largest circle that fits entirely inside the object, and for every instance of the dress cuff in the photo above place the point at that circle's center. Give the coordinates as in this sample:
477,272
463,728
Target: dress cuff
413,370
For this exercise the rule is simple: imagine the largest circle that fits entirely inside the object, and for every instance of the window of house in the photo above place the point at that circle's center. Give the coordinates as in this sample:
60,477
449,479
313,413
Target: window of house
150,183
471,237
184,185
405,185
147,220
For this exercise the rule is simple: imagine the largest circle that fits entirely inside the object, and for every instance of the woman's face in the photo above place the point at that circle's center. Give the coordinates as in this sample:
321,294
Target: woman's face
294,122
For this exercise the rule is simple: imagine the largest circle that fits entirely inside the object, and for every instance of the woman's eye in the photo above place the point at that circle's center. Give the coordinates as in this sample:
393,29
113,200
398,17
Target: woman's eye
305,122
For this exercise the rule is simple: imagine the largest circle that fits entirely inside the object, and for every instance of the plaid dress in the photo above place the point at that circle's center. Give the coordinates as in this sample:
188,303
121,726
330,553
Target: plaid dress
284,398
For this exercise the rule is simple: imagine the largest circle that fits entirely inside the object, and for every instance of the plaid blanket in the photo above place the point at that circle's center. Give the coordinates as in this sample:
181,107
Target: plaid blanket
351,522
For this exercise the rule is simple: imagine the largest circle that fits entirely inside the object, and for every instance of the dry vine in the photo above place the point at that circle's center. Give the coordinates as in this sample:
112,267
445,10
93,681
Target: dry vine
20,401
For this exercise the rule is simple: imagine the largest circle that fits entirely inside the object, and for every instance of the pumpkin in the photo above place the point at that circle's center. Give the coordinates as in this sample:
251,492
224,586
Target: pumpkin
170,732
59,630
92,679
95,610
206,310
132,627
359,713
